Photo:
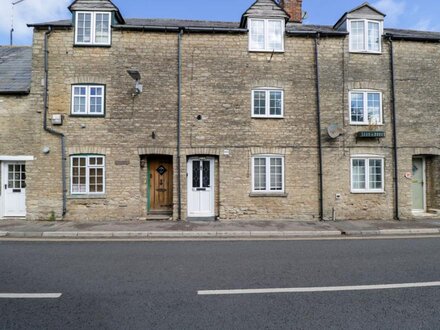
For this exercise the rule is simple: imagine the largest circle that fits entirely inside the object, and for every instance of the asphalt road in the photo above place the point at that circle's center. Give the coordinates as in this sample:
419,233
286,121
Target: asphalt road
153,285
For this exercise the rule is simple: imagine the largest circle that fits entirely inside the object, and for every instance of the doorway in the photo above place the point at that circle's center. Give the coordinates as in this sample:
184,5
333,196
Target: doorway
160,185
201,187
13,189
418,185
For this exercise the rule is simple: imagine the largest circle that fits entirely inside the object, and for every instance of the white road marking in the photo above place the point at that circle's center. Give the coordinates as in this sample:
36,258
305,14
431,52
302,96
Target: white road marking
30,295
320,289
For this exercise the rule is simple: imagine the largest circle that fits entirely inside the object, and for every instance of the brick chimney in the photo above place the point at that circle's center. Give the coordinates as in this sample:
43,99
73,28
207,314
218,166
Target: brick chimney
294,9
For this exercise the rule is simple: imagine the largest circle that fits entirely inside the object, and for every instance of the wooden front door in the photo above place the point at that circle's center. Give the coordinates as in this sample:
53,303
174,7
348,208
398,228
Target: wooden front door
161,185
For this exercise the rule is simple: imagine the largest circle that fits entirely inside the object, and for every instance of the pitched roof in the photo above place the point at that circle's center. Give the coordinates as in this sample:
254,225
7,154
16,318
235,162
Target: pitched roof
160,22
291,28
15,69
363,6
363,11
413,34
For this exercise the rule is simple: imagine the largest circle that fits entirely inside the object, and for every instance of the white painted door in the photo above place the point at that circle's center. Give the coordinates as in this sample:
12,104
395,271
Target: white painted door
201,189
14,189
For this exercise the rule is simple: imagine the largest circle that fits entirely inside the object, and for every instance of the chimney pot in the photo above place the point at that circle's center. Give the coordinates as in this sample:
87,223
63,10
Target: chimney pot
294,9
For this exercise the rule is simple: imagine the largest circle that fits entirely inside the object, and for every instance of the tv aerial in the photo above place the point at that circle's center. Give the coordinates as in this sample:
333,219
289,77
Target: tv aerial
13,4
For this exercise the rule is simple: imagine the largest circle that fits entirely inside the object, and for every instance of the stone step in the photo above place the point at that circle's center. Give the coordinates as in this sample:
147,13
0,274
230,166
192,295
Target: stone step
158,217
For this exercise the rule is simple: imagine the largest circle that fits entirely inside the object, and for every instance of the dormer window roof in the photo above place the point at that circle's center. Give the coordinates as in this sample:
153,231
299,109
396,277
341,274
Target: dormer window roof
365,27
97,5
264,9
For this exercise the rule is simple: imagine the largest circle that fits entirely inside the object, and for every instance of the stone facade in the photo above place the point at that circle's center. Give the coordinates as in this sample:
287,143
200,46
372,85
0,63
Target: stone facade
218,74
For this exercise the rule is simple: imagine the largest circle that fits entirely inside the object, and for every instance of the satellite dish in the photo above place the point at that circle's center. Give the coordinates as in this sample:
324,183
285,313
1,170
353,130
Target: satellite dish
334,131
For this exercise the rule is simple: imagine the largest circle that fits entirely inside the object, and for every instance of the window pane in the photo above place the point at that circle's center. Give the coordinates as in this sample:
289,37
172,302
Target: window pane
275,35
84,28
80,91
79,99
206,173
373,36
102,28
196,174
275,103
358,174
257,34
375,175
259,102
357,107
374,108
276,174
95,101
357,36
259,173
79,175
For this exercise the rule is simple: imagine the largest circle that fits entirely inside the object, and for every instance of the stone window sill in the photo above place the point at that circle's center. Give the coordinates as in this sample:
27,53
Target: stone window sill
255,194
86,196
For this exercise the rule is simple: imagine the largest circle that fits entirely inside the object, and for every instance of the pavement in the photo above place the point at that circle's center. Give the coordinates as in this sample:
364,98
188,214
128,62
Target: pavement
216,230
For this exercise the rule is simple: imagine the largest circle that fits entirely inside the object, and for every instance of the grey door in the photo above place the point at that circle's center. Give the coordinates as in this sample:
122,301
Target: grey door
418,185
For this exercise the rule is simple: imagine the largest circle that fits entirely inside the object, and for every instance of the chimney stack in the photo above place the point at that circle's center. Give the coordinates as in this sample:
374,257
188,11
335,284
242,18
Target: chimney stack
294,9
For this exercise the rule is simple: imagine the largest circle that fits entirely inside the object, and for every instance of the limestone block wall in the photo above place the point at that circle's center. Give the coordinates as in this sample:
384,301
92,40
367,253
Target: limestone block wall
218,75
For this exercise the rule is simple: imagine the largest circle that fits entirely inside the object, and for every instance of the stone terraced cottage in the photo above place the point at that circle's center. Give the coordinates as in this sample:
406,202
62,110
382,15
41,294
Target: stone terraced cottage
266,118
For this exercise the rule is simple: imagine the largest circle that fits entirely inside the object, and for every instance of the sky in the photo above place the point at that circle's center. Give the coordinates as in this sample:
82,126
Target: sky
407,14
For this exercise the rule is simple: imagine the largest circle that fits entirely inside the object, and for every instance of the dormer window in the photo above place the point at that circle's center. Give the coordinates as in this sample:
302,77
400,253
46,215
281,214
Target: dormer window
266,35
365,36
93,28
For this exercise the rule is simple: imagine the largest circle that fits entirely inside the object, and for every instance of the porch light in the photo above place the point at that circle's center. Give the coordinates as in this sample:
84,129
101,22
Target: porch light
136,76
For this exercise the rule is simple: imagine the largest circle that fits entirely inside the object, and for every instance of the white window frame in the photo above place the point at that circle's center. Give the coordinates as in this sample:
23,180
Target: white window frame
367,189
266,34
88,97
88,167
267,114
365,93
365,48
268,190
93,28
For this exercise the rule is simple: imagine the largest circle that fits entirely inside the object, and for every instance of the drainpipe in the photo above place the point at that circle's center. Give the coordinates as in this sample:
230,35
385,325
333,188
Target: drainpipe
318,117
394,124
179,120
46,108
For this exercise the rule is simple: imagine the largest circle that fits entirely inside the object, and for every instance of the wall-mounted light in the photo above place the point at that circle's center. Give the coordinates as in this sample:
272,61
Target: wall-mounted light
135,74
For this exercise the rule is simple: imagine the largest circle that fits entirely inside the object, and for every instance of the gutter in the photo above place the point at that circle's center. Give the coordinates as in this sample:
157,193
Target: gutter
179,122
153,28
394,124
48,129
411,38
318,116
314,33
27,92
